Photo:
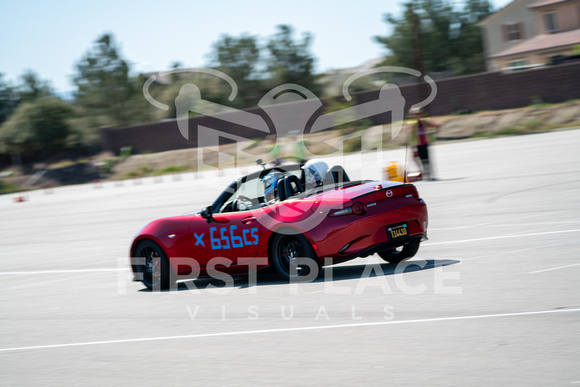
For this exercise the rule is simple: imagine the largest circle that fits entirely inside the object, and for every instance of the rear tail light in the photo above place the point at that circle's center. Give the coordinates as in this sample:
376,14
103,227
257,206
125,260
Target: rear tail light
358,209
414,192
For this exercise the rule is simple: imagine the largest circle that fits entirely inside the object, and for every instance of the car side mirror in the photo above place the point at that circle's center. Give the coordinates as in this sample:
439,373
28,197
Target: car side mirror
207,213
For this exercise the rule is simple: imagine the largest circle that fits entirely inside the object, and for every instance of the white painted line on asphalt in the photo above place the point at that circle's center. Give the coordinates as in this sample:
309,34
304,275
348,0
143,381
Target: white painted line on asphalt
81,250
296,329
21,266
508,252
553,268
61,271
44,283
498,225
501,237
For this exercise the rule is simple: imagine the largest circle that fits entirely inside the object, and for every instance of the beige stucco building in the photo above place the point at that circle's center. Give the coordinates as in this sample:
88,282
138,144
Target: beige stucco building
531,33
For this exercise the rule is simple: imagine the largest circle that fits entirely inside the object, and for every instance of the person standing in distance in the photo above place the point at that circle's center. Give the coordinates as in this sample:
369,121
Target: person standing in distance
420,133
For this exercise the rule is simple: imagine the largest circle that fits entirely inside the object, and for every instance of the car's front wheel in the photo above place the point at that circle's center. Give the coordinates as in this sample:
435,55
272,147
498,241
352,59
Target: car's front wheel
150,260
401,253
293,257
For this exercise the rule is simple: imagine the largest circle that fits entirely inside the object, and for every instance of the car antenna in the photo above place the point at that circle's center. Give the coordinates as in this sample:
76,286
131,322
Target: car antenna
260,162
405,164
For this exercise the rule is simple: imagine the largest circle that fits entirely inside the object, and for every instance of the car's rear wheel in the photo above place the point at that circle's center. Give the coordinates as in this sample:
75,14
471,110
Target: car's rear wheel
401,253
293,257
150,260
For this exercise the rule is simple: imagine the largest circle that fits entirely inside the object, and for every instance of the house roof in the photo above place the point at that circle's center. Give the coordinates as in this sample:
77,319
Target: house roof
547,3
492,16
542,42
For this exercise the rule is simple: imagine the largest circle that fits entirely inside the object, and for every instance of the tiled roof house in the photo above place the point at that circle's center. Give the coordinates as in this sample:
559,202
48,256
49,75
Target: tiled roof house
531,33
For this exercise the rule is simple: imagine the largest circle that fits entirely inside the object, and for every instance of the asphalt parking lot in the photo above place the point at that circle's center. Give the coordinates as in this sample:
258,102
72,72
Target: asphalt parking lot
493,298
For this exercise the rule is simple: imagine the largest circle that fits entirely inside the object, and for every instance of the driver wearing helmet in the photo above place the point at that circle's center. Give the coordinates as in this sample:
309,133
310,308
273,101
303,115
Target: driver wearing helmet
314,173
271,182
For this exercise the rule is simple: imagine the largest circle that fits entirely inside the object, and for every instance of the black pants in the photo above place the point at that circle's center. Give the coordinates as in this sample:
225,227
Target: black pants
423,152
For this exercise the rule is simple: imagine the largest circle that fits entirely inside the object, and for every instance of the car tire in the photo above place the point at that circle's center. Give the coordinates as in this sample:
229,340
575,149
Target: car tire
153,265
401,253
293,257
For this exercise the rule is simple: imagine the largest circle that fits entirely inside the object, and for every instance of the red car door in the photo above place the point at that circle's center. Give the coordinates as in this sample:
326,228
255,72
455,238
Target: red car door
228,243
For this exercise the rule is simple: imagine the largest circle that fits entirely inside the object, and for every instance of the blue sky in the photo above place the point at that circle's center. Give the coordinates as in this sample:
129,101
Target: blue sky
49,37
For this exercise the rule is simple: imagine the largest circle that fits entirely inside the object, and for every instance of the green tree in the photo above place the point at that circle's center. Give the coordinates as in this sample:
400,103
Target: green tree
290,61
38,126
433,36
104,88
8,99
239,57
402,42
32,87
469,56
438,24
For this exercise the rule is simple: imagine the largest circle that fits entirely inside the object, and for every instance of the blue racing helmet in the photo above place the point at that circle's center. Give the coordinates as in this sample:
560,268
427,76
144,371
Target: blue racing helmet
271,185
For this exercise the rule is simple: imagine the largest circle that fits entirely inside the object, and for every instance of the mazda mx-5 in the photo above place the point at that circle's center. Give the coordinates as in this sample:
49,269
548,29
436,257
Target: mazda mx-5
294,218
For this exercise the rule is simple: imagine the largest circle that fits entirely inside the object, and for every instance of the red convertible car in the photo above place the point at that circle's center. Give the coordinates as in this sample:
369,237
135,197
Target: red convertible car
294,218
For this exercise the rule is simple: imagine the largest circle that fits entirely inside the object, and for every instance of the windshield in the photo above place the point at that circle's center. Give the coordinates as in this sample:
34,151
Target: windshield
260,189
